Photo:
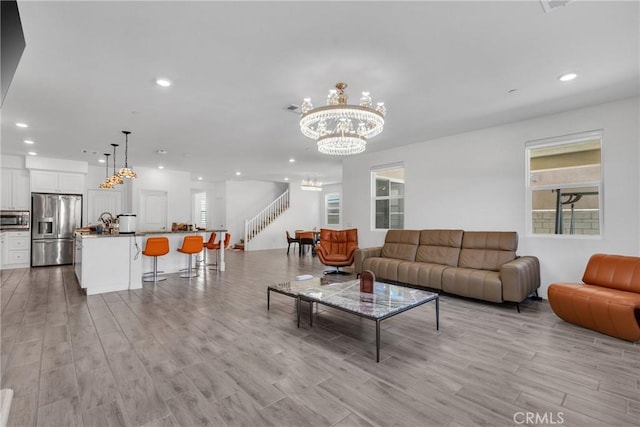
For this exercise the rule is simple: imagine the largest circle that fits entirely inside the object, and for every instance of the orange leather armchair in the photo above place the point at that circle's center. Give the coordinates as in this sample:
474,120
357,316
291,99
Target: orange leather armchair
337,248
608,301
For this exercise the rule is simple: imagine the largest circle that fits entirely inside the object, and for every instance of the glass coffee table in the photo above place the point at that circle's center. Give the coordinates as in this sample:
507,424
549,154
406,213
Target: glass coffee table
384,302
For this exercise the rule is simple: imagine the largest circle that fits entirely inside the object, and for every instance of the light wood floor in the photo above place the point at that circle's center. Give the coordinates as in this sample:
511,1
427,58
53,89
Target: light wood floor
206,351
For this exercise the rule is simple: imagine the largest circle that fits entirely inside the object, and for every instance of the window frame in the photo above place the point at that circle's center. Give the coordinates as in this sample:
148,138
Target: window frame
337,197
529,189
374,198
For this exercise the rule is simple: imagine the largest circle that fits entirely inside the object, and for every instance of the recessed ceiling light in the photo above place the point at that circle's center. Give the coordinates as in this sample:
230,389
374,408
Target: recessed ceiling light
28,141
286,179
199,178
163,82
100,160
292,160
32,153
160,167
567,77
22,125
238,173
162,151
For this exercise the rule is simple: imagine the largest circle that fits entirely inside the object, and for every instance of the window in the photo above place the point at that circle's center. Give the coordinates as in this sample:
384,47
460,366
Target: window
565,184
388,197
200,209
332,207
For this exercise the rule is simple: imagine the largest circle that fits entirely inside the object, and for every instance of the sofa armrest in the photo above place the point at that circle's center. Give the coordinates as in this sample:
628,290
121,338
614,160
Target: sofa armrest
520,278
364,253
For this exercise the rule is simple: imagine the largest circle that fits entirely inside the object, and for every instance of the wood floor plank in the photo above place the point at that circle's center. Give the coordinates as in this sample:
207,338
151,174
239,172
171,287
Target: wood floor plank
65,412
142,403
192,409
58,384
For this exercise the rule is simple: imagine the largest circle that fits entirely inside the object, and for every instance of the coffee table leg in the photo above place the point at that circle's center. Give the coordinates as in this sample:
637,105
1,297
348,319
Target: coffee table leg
298,310
310,313
438,313
268,298
377,341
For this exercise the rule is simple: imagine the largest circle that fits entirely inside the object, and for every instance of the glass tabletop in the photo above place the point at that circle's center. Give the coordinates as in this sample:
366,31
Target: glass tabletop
293,288
385,300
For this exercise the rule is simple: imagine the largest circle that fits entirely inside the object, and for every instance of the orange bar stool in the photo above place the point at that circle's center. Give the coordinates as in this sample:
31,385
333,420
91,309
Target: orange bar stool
191,245
207,246
155,247
216,246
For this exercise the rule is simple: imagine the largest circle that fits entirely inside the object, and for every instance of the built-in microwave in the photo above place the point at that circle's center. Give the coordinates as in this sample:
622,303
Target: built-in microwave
14,220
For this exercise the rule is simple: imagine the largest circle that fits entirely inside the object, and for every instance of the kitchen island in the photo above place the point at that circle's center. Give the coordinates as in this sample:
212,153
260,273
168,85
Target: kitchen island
114,262
108,262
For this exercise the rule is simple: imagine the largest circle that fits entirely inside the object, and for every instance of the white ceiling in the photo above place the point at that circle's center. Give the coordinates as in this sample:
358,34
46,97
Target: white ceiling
441,68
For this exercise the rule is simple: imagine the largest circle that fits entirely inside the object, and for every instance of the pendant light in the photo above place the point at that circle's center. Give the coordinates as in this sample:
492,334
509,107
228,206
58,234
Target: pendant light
115,179
125,172
106,183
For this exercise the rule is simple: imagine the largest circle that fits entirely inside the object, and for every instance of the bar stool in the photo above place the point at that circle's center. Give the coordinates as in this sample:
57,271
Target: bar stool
208,245
191,245
155,247
216,246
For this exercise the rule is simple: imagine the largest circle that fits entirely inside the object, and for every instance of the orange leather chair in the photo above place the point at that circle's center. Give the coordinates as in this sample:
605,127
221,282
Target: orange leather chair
337,248
608,301
155,247
191,245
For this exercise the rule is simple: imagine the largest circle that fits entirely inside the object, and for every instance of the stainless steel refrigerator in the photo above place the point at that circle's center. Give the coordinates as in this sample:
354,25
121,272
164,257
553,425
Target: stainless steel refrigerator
54,218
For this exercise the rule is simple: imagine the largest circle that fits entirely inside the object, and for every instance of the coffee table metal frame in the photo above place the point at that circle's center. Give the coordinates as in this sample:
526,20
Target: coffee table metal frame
310,299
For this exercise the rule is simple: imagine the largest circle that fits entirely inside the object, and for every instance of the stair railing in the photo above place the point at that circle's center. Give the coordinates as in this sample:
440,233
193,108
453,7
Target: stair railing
253,226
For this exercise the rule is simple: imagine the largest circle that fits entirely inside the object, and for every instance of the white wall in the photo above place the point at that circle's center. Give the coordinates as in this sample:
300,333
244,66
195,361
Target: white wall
302,214
476,181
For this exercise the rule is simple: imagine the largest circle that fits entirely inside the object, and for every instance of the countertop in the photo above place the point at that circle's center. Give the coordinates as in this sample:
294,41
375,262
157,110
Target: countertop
91,235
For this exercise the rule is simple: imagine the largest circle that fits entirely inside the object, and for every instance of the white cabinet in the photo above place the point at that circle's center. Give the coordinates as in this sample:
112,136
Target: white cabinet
15,249
15,190
57,182
108,263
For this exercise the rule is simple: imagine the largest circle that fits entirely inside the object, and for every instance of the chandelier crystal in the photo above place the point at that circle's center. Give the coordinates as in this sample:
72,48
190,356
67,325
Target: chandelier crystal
311,185
126,172
342,129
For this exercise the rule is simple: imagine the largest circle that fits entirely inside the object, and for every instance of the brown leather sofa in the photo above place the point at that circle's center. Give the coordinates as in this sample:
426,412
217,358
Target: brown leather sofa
607,301
476,264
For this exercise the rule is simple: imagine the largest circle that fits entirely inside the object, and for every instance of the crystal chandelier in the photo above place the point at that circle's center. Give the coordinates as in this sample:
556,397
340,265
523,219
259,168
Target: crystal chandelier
126,172
311,185
106,183
339,128
115,179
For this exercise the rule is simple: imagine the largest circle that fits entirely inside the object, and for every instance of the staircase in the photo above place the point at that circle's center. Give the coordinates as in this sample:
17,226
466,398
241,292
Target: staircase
255,225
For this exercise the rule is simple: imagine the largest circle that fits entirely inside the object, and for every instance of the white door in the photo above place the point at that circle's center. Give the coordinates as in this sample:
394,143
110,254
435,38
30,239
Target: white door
152,206
103,201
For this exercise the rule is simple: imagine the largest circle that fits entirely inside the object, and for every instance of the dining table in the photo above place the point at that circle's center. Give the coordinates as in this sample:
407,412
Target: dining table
312,235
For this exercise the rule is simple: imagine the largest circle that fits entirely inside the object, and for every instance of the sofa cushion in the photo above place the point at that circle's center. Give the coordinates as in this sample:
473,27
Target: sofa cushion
383,268
487,250
480,284
613,271
401,244
421,274
440,247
